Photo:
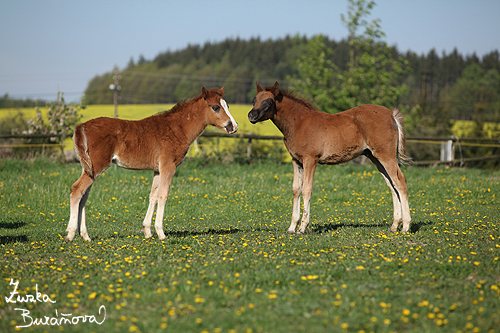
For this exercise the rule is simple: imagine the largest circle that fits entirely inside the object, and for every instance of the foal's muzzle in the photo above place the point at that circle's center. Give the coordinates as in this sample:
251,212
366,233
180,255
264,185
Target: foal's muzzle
230,127
253,116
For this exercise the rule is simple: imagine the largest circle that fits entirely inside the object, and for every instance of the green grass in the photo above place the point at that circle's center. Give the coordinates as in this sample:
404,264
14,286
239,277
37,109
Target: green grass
227,264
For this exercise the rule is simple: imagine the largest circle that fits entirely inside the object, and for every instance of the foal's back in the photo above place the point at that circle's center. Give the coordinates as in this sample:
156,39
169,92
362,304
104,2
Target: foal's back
132,144
338,138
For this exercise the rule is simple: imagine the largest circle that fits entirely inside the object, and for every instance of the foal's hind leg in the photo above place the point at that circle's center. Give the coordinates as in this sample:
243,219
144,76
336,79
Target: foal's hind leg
79,190
401,187
83,226
298,172
153,200
397,183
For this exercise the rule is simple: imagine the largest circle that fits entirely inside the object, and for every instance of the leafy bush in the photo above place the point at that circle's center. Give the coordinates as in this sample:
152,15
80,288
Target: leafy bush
62,119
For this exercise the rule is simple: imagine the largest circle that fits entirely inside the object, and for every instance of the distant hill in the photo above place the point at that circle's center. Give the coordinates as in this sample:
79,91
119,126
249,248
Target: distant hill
237,64
233,63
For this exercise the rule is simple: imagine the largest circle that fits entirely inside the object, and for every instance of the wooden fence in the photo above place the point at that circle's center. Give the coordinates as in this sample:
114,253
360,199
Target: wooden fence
448,150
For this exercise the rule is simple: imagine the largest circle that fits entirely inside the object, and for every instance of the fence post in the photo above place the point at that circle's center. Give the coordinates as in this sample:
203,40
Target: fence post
447,151
63,138
249,146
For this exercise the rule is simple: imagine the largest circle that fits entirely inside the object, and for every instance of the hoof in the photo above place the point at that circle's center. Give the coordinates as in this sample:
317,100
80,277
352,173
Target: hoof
290,232
86,237
161,235
392,229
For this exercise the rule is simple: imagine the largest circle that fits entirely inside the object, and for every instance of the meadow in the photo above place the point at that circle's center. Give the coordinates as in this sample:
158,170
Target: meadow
228,265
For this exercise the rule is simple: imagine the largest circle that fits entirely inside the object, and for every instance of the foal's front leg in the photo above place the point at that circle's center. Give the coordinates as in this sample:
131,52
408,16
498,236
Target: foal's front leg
165,181
309,169
298,172
153,199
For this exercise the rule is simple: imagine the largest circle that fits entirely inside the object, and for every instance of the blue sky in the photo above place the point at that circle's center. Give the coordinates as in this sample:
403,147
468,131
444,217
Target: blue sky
46,45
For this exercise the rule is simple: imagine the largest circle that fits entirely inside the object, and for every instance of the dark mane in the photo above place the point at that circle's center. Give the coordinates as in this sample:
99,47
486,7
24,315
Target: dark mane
290,94
182,104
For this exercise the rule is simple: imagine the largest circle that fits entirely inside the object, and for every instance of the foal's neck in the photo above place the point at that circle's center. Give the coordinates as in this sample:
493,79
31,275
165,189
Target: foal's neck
288,112
190,121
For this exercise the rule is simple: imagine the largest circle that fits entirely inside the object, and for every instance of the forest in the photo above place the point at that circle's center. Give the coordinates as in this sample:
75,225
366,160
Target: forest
447,86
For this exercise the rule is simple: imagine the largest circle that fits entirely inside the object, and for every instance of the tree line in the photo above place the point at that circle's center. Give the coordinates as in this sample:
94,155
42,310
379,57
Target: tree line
434,81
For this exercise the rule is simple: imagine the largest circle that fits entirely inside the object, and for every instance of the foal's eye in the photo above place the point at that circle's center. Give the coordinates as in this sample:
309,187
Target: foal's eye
253,101
216,108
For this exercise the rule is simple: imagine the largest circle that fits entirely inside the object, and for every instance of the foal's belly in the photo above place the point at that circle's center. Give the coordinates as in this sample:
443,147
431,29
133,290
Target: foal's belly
340,156
134,163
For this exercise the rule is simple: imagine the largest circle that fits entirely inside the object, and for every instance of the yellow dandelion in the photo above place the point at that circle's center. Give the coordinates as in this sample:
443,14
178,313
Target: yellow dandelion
198,299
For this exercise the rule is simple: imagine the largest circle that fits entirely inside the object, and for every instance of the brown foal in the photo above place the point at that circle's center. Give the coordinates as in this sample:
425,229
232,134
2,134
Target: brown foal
158,143
313,137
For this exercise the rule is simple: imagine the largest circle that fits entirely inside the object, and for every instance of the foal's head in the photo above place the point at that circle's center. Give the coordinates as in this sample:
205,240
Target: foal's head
216,110
264,104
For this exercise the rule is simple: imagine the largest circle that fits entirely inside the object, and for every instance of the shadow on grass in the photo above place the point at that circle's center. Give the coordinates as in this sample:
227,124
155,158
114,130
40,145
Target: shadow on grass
182,233
14,238
415,226
185,233
11,225
333,227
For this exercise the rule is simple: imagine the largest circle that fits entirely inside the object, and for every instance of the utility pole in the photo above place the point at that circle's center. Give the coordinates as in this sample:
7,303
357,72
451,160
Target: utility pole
116,87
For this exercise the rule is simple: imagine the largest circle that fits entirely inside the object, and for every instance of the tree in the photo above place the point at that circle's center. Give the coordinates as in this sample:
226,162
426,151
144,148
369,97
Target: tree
476,95
374,72
316,77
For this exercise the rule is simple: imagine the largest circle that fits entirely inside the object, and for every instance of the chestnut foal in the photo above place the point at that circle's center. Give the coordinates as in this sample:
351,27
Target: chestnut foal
158,143
313,137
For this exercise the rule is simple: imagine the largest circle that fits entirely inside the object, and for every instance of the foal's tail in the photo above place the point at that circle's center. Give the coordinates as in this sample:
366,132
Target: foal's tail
82,150
402,156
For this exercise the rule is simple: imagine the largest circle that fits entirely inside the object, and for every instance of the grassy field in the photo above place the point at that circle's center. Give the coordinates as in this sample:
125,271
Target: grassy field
227,264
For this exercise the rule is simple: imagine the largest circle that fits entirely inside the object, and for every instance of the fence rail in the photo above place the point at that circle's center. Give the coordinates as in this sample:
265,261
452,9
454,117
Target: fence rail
448,144
42,145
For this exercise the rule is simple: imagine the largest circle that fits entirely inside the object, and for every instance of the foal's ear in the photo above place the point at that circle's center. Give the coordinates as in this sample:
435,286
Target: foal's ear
259,88
204,92
275,89
276,92
221,91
